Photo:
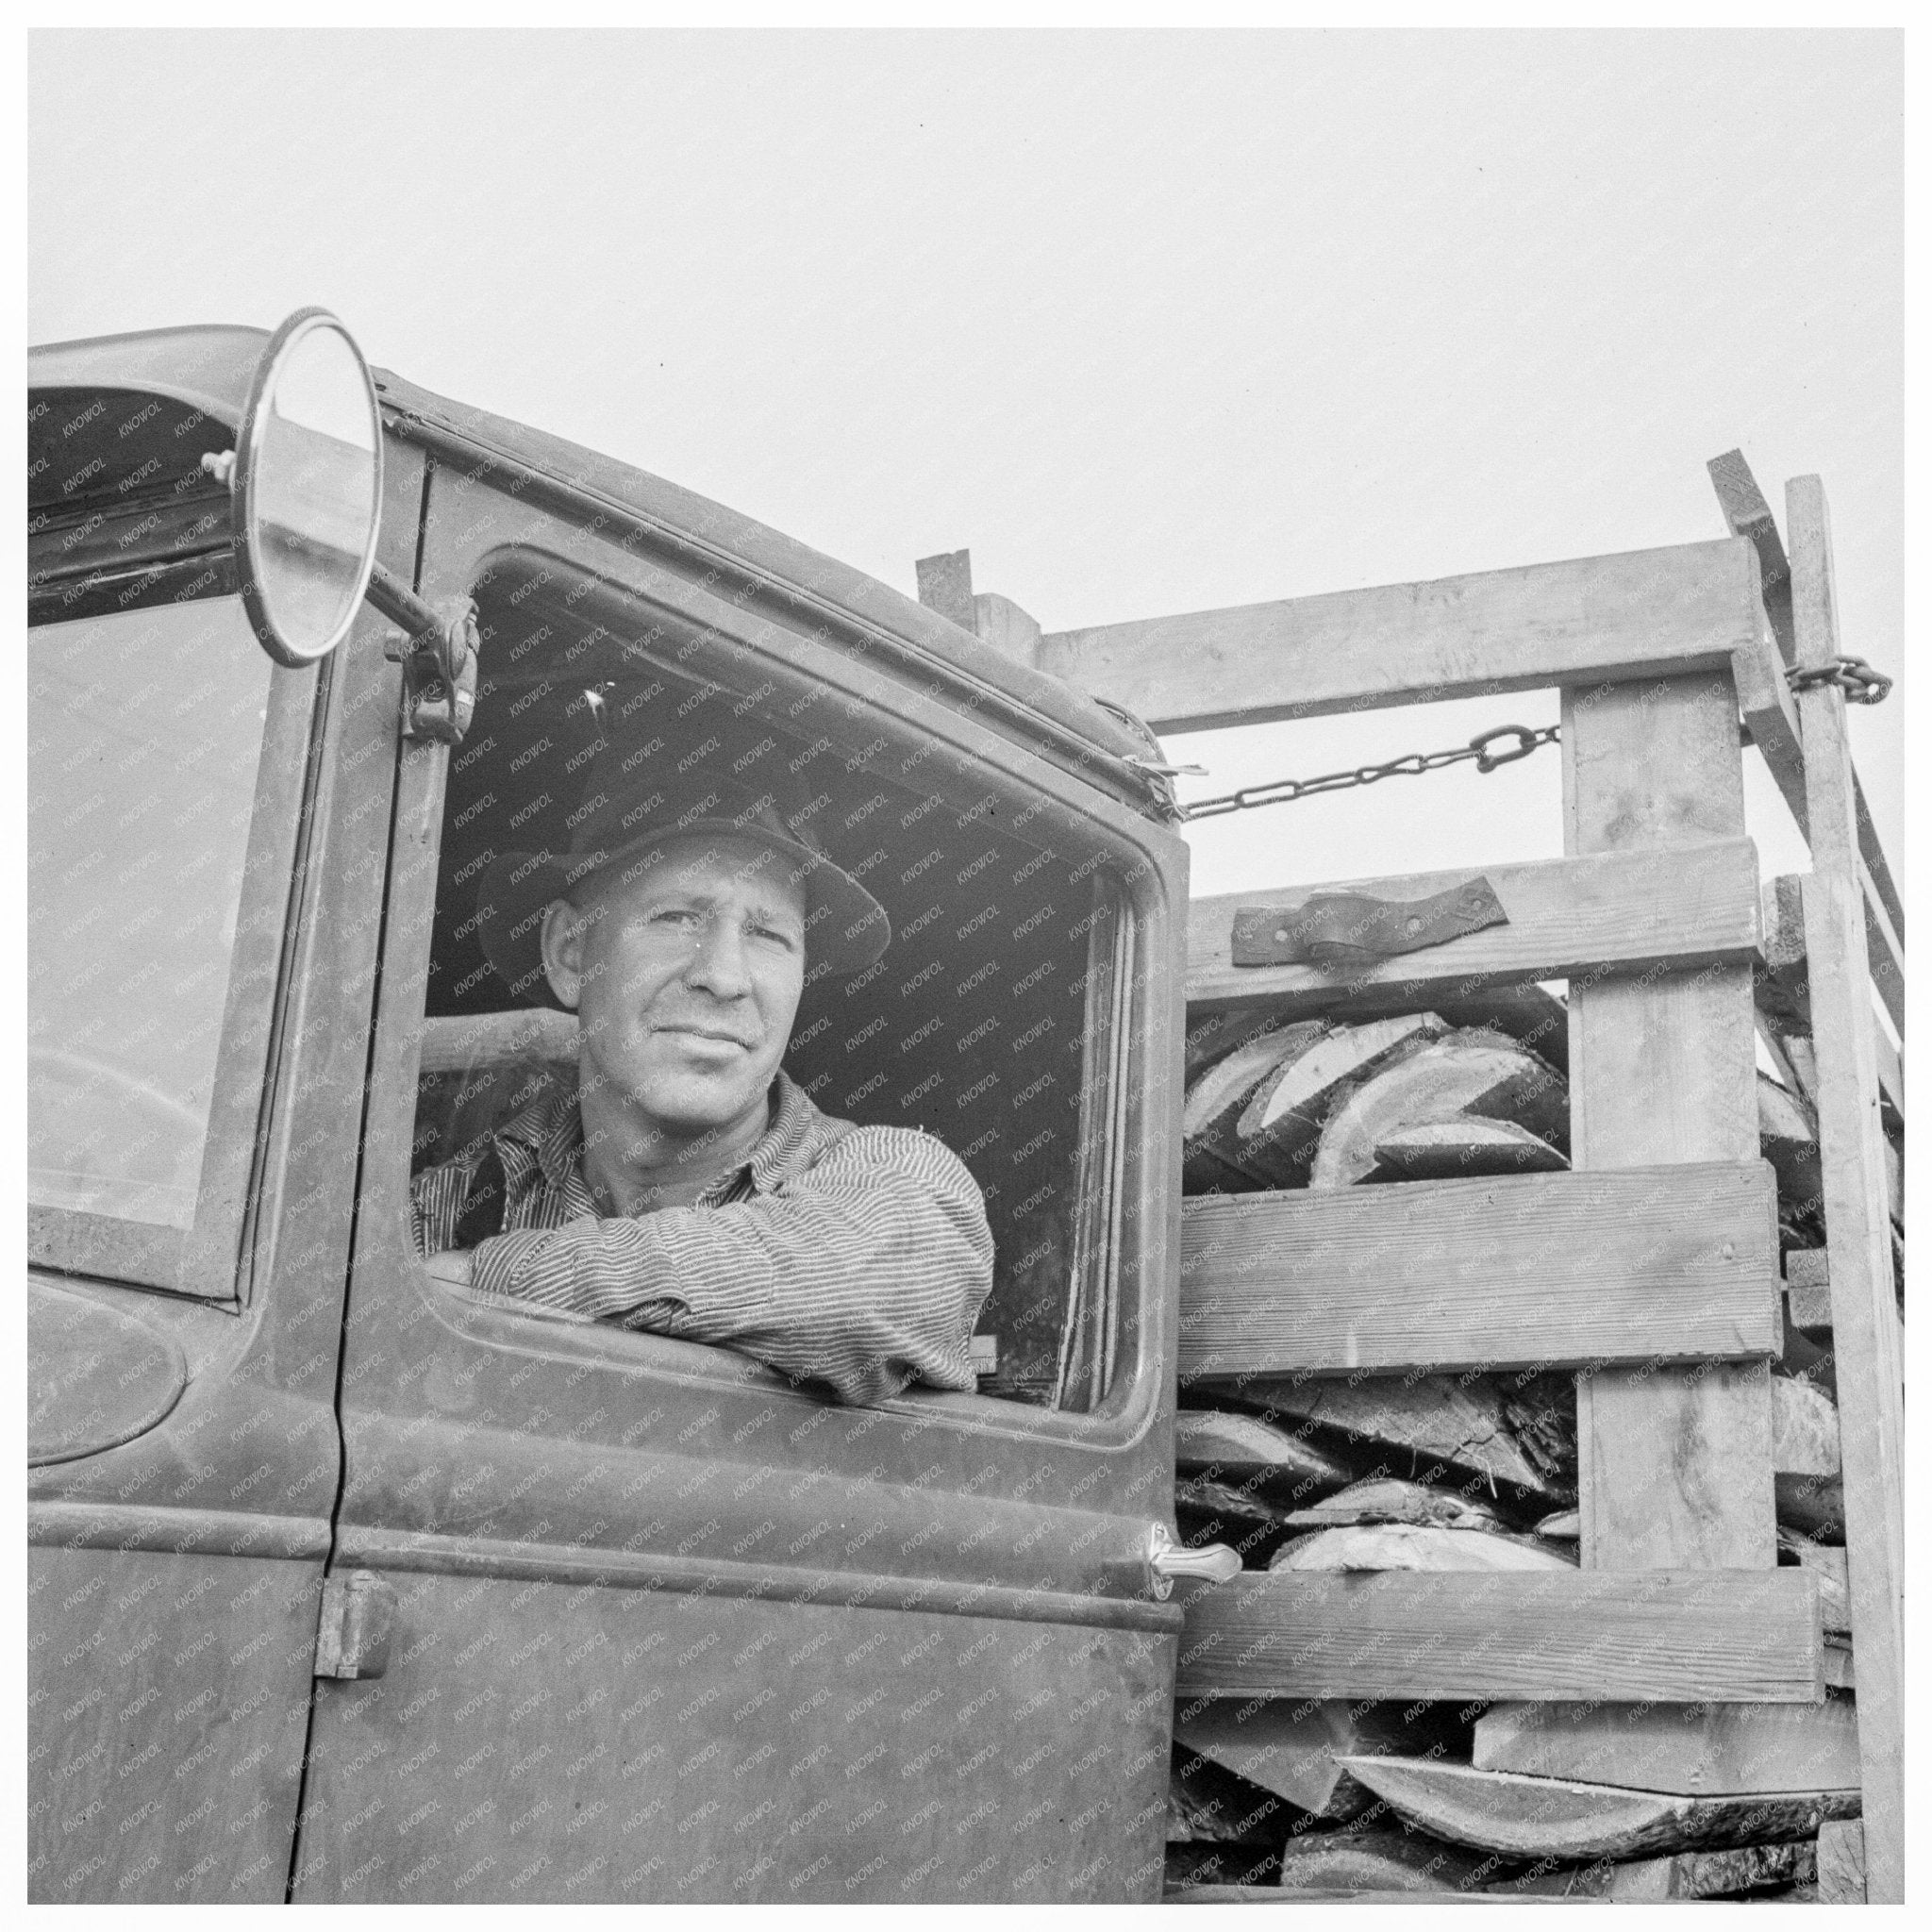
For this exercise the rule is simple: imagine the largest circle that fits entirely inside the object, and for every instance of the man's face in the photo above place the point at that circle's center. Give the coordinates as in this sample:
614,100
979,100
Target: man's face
686,977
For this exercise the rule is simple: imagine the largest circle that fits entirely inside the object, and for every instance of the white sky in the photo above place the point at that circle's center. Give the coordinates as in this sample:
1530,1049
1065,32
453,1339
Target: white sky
1151,322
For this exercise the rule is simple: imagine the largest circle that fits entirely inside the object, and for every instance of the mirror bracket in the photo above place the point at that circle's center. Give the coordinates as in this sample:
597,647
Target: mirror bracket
436,647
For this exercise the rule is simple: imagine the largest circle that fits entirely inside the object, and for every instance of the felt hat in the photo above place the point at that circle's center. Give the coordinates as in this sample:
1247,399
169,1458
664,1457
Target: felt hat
631,822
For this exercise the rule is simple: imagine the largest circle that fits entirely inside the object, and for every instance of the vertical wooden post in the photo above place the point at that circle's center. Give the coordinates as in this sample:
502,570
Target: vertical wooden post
945,584
1675,1464
1864,1318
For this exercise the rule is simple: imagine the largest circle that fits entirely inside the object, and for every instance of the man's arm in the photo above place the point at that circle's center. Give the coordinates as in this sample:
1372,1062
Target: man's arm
866,1271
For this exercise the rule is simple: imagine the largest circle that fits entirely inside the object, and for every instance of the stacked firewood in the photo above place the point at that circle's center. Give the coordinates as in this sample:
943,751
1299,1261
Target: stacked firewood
1463,1471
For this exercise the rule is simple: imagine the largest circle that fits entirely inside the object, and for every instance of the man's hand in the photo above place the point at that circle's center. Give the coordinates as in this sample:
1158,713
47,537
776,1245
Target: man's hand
451,1266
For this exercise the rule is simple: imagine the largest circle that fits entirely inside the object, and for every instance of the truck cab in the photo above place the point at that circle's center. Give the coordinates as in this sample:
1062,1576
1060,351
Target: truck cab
349,1584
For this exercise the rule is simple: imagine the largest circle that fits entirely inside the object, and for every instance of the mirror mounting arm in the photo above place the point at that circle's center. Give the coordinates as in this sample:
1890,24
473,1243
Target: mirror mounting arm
437,648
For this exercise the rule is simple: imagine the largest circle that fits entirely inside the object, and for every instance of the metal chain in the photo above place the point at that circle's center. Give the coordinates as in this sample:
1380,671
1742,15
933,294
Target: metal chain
1860,684
1285,791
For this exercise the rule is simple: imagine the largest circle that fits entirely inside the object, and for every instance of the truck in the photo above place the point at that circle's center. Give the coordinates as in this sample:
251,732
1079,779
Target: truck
349,1584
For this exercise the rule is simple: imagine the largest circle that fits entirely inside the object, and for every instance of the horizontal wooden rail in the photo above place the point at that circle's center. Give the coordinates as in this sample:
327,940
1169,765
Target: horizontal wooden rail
1624,911
1640,613
489,1040
1641,1264
1655,1637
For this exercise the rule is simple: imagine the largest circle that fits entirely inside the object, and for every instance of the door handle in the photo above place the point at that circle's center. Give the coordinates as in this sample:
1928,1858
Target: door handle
1168,1560
358,1612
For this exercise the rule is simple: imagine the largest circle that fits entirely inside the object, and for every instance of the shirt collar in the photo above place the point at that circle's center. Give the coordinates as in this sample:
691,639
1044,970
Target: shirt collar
553,1131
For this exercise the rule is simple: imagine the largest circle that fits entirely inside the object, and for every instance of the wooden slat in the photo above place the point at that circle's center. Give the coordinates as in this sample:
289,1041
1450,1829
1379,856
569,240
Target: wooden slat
1742,1636
1865,1336
1784,991
1664,1265
1674,1466
1885,954
1642,613
1747,514
1629,911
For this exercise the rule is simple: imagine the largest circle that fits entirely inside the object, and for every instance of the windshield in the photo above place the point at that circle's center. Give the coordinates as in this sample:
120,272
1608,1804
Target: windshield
144,733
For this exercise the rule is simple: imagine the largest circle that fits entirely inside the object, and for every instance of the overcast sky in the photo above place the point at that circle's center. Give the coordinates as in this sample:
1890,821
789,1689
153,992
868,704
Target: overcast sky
1150,323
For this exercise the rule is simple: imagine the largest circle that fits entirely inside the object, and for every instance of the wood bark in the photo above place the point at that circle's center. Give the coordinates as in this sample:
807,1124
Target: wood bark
1378,1547
1556,1818
1467,1073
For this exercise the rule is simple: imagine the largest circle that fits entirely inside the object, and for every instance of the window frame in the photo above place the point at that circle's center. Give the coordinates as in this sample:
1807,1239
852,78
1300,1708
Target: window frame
203,1261
1129,1405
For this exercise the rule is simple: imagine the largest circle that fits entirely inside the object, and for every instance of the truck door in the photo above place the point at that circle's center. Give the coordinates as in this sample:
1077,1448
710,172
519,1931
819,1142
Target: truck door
667,1626
206,839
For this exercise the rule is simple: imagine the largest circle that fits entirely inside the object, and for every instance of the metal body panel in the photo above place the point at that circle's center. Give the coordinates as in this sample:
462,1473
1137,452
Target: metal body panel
168,1701
177,1576
551,1742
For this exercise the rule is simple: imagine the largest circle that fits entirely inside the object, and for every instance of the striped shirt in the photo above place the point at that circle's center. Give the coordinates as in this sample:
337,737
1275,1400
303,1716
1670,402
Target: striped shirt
853,1255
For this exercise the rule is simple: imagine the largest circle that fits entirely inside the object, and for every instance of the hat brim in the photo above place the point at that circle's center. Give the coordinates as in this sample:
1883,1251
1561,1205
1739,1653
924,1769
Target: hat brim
846,928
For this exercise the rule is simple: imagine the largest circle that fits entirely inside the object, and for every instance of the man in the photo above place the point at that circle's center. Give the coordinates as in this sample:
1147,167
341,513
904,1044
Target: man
689,1187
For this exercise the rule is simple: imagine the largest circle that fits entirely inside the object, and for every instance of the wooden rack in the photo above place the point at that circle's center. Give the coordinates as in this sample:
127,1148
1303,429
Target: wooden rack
1654,916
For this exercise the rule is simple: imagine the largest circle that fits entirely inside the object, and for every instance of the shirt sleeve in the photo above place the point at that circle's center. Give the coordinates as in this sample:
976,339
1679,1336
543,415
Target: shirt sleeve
438,1196
867,1271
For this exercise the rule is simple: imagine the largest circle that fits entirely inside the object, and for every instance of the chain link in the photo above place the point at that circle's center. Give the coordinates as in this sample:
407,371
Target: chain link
1860,684
1286,791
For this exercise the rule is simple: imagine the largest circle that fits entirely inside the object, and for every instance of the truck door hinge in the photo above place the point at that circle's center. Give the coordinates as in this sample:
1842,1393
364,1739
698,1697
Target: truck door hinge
359,1611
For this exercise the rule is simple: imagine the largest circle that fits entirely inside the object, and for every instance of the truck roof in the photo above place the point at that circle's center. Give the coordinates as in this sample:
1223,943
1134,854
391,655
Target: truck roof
209,369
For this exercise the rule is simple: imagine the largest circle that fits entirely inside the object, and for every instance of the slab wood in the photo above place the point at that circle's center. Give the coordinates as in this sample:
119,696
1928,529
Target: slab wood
1742,1636
1292,1749
1473,1073
1206,1803
1865,1329
1711,1750
1449,1429
1685,1875
1841,1862
1640,615
1229,1503
1389,1499
1281,1125
1788,1140
1379,1546
1228,1085
1389,1858
1449,1150
1244,1449
1568,917
1676,1263
1556,1817
1182,1892
1812,1503
1212,1152
1803,1428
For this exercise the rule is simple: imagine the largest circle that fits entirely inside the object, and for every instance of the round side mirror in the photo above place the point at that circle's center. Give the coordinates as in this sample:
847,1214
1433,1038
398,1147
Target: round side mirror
307,489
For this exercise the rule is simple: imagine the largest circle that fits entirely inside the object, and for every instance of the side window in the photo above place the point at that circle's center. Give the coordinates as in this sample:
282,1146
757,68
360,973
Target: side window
145,742
997,1020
